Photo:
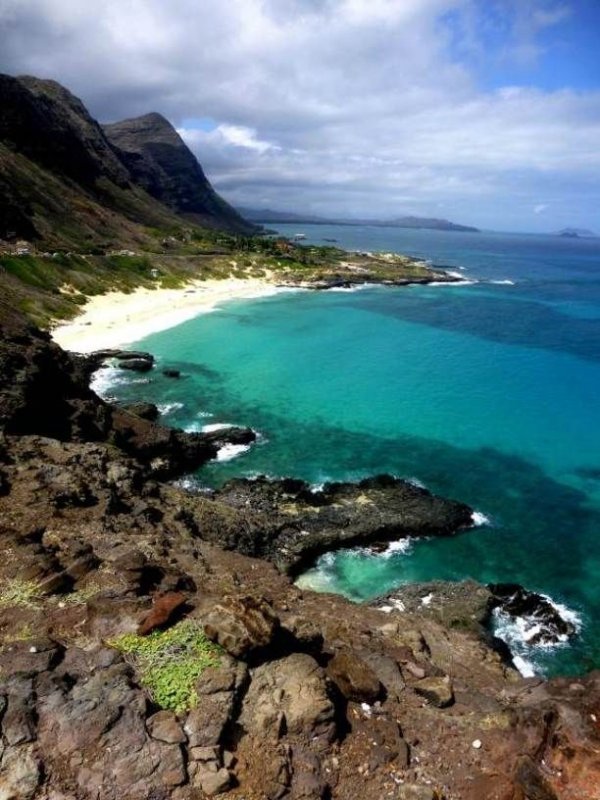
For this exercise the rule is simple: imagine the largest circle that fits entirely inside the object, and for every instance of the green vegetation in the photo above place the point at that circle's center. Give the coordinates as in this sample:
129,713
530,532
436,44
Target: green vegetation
19,593
170,662
52,286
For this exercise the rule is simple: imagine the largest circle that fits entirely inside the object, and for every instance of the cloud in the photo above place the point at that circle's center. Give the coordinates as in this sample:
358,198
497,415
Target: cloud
540,208
335,106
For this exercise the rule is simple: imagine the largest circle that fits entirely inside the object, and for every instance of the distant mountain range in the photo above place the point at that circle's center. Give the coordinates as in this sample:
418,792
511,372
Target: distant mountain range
266,215
576,233
69,182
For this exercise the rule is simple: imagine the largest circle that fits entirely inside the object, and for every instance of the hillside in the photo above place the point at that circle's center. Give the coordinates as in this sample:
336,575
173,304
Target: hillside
64,185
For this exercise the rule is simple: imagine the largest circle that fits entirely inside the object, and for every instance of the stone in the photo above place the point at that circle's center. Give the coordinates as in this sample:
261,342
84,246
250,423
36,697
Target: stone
241,625
289,695
213,783
354,677
136,364
171,373
437,691
164,608
416,791
206,723
20,774
205,754
19,719
165,727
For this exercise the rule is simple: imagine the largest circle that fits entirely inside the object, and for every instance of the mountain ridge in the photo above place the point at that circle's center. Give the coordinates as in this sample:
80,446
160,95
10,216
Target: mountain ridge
428,223
62,182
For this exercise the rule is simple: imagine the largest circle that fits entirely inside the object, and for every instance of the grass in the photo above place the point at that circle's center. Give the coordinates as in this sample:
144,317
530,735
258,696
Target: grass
19,593
170,662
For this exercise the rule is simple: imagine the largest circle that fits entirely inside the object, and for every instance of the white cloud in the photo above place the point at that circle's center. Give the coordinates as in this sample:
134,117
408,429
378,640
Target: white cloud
354,106
540,208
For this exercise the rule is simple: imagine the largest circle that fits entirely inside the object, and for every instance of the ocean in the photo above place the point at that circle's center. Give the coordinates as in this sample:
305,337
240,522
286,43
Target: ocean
487,392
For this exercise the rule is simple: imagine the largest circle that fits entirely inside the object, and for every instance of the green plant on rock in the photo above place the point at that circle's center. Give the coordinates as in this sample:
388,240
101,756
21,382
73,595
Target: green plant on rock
170,662
20,593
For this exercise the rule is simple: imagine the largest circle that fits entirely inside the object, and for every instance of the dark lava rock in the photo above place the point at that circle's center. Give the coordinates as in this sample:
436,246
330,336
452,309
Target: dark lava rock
171,373
137,364
544,623
301,523
147,411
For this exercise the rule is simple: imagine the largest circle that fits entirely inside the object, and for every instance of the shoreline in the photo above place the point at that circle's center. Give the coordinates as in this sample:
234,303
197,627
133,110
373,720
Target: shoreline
117,319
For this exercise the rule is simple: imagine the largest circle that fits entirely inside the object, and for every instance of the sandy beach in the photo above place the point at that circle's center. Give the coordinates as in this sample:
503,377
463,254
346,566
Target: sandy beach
117,319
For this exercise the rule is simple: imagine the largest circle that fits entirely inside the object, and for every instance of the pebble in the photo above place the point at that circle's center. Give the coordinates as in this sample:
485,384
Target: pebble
477,744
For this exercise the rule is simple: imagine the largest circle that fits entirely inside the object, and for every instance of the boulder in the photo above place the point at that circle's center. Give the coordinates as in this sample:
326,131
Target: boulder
289,697
165,727
171,373
354,677
137,364
437,691
164,608
213,783
241,625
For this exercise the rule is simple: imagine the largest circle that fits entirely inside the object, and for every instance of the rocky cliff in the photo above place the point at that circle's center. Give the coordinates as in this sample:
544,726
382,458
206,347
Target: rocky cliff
64,183
153,646
160,162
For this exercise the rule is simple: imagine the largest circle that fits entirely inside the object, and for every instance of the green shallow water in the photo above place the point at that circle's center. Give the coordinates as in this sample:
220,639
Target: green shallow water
486,393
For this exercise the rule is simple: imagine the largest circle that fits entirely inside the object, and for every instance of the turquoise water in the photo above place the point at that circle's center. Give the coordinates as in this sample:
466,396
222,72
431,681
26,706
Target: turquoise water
486,392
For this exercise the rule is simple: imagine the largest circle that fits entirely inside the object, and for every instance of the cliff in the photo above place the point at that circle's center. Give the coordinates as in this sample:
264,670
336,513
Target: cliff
160,162
64,184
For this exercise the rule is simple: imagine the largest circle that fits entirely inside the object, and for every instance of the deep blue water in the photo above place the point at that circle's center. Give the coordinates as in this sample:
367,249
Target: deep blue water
487,392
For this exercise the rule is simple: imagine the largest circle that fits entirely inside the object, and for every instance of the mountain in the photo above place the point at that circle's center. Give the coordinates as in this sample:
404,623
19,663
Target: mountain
63,183
576,233
429,223
160,161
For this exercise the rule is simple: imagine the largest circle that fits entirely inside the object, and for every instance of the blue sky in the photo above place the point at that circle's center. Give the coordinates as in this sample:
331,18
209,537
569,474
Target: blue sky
483,111
557,49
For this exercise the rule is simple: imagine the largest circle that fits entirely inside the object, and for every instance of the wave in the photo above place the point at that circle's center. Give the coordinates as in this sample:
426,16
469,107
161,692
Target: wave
105,379
192,484
505,282
461,282
168,408
518,633
394,548
231,451
480,519
216,426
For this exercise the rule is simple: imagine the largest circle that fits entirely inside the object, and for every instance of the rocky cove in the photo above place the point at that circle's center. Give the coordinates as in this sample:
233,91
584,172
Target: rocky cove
154,644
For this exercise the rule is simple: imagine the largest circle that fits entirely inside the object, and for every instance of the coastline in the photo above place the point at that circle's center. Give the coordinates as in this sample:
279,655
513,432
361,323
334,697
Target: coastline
117,319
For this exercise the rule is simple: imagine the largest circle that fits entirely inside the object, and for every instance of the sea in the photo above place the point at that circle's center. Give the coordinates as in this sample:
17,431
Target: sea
487,391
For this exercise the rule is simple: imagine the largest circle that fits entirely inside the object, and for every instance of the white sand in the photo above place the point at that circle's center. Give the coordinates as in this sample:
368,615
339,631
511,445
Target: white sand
117,319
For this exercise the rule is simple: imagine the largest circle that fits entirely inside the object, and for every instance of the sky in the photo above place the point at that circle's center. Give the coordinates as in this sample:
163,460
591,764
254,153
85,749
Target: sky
485,112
